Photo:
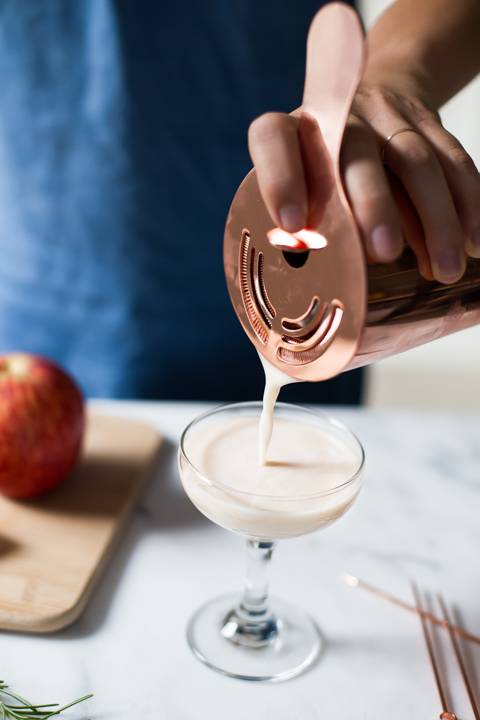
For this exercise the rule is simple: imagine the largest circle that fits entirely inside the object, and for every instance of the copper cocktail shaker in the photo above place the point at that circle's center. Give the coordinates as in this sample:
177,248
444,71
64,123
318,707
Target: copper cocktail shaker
308,301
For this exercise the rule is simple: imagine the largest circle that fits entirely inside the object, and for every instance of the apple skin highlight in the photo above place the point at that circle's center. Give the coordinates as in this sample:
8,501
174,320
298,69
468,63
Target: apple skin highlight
42,421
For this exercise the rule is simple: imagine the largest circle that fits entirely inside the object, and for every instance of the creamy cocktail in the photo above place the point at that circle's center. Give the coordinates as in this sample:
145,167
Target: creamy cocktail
304,485
311,475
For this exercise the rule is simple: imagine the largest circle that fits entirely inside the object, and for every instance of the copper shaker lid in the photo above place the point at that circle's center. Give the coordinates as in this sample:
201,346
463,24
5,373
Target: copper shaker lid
301,297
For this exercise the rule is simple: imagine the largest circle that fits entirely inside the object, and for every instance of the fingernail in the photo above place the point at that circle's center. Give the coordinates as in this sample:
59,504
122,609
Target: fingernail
292,218
476,239
450,265
386,242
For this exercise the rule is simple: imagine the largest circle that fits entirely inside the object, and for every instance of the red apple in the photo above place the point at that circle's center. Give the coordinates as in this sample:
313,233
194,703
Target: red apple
42,419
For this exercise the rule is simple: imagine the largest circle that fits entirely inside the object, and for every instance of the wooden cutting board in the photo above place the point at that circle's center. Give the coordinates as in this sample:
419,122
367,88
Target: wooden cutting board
53,550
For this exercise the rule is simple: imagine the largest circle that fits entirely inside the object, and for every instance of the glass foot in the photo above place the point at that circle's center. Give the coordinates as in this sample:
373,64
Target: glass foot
290,644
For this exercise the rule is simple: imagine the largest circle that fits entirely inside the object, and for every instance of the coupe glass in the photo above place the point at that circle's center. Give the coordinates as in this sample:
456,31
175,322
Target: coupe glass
251,636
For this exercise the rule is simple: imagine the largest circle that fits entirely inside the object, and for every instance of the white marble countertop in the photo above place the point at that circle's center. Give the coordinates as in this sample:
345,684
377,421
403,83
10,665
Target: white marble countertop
417,517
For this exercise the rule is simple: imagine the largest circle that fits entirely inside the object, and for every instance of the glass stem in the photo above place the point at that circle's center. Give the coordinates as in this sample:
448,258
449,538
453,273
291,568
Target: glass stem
251,623
259,555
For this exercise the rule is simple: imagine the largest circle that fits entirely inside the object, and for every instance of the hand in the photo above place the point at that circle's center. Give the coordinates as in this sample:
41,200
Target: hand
428,192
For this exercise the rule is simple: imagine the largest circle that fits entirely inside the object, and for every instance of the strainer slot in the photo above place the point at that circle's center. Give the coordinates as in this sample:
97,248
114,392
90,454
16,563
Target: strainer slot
263,290
313,347
314,315
246,275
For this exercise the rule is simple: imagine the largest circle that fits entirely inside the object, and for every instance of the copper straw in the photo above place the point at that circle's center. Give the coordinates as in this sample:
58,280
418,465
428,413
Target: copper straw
355,582
445,714
448,625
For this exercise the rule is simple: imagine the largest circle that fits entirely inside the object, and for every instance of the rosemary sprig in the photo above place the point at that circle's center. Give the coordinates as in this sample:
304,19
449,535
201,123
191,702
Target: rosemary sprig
24,710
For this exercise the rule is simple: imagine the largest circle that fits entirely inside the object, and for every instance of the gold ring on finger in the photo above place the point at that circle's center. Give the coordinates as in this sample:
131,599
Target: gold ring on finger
397,132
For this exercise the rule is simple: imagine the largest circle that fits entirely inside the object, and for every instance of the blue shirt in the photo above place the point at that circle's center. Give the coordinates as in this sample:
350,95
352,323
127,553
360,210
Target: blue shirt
123,129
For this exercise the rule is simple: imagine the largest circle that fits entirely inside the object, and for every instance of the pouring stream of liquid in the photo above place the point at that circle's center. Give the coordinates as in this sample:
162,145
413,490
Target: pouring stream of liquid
274,380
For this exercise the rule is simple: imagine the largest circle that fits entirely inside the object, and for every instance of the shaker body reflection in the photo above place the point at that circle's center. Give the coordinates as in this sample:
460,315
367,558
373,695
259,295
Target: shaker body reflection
404,310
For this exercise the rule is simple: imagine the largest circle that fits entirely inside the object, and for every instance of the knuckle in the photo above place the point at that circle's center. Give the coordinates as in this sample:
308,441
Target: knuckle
259,126
427,120
270,124
460,159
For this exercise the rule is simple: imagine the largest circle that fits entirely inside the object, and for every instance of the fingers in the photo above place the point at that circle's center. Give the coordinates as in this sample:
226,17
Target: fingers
433,200
411,226
463,180
275,150
369,194
412,159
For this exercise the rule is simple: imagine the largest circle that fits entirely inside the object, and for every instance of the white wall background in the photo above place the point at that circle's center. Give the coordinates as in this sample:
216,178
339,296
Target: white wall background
444,374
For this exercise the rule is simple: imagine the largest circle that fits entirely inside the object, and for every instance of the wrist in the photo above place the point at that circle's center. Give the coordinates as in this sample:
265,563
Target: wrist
401,68
434,43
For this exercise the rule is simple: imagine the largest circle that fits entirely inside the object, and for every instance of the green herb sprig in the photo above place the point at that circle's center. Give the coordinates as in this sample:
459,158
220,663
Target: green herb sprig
24,710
